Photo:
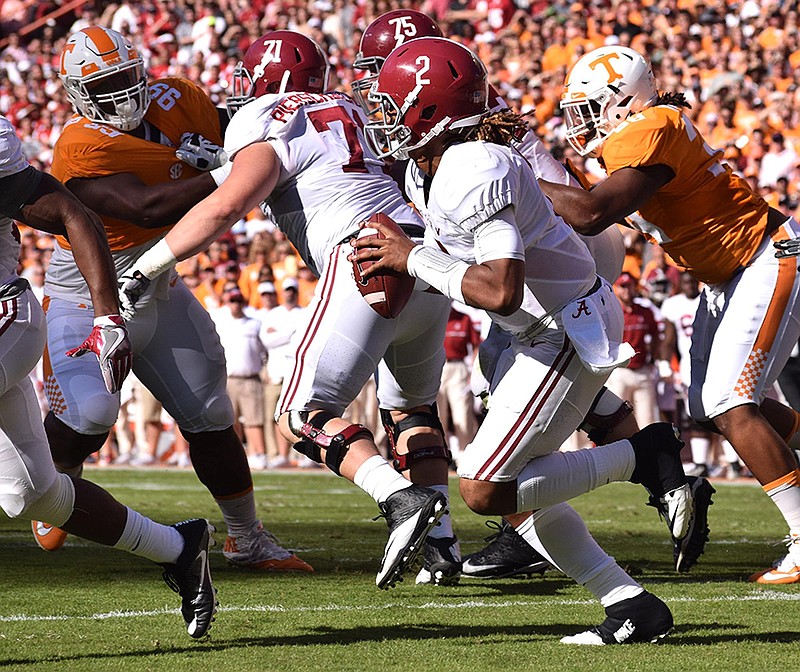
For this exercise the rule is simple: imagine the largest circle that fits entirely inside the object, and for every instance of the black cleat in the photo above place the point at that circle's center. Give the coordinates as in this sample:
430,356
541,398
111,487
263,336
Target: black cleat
190,576
506,555
686,550
442,562
643,618
658,462
411,514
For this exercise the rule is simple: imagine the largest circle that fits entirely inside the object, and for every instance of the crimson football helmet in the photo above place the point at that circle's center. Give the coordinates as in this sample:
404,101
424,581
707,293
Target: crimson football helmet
104,77
425,87
280,61
602,89
383,36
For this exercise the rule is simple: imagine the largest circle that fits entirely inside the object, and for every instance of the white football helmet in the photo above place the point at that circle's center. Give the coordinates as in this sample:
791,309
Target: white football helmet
602,89
104,77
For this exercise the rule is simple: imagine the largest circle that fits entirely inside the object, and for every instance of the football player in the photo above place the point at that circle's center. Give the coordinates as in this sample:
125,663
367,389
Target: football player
30,487
712,224
140,155
302,152
610,418
494,243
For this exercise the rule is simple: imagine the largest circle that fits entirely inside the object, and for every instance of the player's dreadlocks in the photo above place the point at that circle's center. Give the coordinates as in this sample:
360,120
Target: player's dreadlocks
674,99
500,128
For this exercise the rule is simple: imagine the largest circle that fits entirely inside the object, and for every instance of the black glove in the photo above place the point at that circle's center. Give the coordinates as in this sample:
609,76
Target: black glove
787,248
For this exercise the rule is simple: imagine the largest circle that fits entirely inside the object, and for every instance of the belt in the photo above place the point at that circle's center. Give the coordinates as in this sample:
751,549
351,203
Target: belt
253,377
597,284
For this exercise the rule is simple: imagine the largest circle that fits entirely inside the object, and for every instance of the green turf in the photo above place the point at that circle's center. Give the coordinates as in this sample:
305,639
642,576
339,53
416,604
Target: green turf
91,608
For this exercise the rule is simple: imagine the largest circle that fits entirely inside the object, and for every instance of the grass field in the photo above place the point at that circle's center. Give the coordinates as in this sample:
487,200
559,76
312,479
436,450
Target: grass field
91,608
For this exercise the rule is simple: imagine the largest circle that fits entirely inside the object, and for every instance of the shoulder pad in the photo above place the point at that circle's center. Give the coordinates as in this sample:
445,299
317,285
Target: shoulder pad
475,181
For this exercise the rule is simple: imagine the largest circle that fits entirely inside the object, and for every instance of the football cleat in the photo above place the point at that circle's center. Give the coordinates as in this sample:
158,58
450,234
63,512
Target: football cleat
687,549
48,538
260,550
190,576
506,555
643,618
411,514
785,570
442,562
658,468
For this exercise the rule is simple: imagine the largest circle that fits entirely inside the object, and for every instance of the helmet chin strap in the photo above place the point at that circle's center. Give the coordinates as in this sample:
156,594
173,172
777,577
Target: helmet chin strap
284,81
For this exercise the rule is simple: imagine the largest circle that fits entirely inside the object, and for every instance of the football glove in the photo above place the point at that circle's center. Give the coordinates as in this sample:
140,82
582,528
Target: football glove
787,248
109,341
132,286
200,153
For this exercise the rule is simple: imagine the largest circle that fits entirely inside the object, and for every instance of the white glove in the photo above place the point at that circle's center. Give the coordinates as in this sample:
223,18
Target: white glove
200,153
132,285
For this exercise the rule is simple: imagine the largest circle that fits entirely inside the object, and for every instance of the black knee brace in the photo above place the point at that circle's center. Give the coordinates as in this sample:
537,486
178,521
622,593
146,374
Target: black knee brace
313,439
418,419
597,426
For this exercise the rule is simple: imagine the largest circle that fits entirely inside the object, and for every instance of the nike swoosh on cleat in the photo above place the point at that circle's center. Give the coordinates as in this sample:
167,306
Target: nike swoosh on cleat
43,529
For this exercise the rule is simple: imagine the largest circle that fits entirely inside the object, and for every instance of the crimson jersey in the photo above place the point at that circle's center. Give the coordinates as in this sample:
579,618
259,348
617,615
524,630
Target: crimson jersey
88,149
707,218
641,329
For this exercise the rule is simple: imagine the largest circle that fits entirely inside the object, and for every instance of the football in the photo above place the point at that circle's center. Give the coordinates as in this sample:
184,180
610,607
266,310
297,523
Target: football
387,293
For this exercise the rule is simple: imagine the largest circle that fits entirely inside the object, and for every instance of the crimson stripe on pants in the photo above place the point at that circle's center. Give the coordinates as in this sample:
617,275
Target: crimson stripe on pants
528,415
311,330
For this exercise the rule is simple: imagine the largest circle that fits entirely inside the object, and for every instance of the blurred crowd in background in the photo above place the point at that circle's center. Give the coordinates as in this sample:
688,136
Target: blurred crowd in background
737,61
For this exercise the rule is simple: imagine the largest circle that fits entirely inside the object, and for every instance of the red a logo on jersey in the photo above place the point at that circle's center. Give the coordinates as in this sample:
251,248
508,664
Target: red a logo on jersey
582,309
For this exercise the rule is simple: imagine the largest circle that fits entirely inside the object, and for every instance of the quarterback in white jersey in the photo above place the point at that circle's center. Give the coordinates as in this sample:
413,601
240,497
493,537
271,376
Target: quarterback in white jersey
303,153
493,242
30,487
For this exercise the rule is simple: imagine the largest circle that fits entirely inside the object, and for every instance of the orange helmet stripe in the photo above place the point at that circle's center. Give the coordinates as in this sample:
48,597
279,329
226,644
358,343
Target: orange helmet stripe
104,44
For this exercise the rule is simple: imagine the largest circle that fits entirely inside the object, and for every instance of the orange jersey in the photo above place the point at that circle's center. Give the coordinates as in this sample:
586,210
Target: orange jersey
707,218
87,149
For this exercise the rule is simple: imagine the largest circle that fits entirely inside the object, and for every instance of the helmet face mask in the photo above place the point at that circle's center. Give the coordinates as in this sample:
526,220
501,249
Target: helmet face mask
104,78
602,90
278,62
426,87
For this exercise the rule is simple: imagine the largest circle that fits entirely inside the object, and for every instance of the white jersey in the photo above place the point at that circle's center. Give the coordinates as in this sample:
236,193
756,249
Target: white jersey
476,180
245,352
330,180
607,247
680,310
12,161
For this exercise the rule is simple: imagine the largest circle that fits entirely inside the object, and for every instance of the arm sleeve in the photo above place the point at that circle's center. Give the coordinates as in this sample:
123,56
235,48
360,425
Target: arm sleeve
15,190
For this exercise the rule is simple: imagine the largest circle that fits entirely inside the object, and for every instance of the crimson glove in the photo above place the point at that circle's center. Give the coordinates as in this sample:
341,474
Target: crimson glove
109,341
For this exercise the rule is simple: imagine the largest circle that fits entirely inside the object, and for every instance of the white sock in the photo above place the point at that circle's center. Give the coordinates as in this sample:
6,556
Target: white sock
700,446
239,513
785,494
561,536
149,539
445,526
557,477
378,479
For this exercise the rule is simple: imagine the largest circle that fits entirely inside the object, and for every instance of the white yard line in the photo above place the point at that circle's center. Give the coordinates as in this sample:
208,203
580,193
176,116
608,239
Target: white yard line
761,596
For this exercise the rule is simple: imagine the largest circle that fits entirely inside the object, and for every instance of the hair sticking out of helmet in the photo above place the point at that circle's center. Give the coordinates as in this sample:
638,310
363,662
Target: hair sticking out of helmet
278,62
602,90
426,87
104,77
381,38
